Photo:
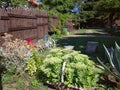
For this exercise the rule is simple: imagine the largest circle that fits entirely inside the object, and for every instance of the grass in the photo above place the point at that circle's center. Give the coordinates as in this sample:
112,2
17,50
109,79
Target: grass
81,42
80,31
95,31
24,82
83,32
113,31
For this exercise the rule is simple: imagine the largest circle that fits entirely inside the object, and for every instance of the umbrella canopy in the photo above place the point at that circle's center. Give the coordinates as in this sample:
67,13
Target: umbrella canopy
75,9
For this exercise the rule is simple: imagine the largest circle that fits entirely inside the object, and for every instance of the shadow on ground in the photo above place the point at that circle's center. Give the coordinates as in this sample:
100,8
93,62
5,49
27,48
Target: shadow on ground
95,34
80,44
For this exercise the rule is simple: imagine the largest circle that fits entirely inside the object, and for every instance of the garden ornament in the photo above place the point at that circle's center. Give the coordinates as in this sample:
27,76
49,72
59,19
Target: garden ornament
35,2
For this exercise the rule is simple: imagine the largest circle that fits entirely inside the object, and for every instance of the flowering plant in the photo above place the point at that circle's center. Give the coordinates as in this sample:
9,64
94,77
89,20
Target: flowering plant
14,53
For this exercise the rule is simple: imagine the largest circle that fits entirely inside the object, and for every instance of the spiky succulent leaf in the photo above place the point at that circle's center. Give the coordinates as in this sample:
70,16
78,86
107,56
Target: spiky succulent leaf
107,69
109,56
114,60
117,56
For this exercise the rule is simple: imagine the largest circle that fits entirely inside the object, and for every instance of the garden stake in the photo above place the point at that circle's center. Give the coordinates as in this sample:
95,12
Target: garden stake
63,71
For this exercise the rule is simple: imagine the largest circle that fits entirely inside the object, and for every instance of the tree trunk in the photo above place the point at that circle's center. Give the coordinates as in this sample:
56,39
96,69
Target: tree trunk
111,19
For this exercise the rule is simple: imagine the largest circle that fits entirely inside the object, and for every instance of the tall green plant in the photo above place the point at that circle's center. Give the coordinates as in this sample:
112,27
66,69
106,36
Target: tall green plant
34,62
114,60
57,31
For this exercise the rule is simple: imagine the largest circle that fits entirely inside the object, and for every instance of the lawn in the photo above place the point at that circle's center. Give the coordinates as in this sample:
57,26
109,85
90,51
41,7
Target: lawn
113,31
79,31
80,43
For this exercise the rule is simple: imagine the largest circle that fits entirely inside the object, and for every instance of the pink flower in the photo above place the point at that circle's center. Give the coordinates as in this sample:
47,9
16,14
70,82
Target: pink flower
29,42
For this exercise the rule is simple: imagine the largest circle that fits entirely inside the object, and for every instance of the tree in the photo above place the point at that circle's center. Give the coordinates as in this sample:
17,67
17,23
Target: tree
15,3
86,11
60,7
109,8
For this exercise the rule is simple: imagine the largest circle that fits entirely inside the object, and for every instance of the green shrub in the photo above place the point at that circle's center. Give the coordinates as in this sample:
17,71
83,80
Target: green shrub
34,62
79,70
56,30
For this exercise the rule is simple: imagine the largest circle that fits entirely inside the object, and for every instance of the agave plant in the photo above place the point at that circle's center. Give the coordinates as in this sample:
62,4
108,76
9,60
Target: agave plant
114,60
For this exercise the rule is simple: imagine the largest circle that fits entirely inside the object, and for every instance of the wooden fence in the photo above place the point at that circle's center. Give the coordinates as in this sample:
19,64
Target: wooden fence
69,24
26,23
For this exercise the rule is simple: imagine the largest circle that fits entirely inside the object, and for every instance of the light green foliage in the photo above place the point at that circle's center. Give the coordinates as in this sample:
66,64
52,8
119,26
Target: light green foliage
34,62
31,66
114,60
34,82
58,31
79,70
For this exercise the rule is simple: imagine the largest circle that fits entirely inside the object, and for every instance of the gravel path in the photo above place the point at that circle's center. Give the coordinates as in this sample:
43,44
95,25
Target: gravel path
90,33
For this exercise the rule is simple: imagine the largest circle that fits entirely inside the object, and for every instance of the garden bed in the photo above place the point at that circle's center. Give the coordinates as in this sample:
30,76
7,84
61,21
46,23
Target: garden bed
64,87
71,68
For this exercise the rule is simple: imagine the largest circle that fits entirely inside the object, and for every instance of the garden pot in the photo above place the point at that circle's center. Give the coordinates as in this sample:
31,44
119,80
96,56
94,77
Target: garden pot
70,47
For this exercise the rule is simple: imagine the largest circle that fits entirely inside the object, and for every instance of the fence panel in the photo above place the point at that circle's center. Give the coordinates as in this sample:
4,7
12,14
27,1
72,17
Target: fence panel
3,21
30,23
69,24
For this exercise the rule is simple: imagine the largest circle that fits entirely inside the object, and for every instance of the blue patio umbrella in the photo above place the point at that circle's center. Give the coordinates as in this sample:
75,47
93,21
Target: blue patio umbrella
75,9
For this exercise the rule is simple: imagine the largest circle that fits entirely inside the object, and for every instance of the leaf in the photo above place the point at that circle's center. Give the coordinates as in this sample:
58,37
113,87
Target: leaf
107,69
78,67
117,55
109,57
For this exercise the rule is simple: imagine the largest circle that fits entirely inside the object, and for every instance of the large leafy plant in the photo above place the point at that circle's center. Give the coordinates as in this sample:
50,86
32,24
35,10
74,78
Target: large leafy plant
78,69
114,61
